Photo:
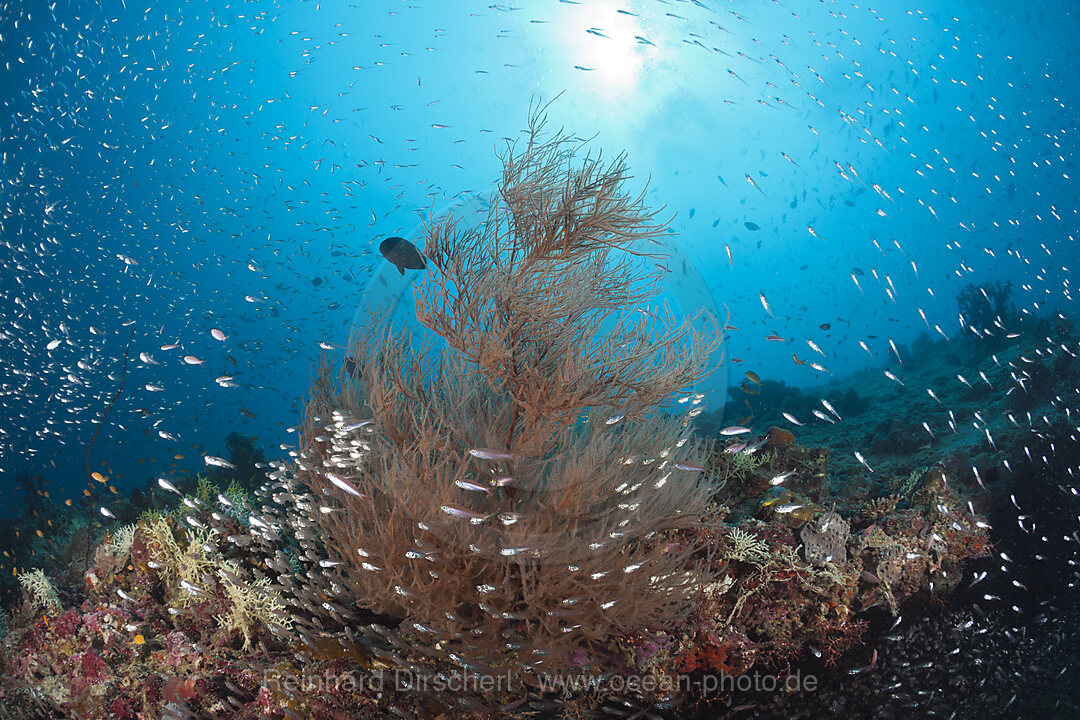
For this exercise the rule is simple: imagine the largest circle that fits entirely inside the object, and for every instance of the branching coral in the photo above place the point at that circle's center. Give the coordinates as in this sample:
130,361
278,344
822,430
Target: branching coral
747,547
510,503
183,566
252,604
113,553
879,508
40,591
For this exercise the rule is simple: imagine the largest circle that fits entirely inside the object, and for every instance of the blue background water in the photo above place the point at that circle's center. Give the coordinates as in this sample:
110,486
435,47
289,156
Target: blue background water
162,165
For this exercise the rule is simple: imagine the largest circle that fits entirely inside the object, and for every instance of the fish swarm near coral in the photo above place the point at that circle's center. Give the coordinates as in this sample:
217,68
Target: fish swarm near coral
520,499
508,504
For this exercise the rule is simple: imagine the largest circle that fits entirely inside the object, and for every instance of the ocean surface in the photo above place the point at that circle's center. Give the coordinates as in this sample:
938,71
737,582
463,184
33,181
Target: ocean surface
877,204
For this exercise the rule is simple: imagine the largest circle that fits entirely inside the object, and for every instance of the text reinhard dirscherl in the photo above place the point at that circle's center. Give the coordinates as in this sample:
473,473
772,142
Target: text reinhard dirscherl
465,681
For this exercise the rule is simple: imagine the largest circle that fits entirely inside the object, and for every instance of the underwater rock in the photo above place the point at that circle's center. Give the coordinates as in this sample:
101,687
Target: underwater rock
779,437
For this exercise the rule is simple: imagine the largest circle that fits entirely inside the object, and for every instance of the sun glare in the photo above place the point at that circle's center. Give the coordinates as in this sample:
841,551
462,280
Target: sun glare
604,43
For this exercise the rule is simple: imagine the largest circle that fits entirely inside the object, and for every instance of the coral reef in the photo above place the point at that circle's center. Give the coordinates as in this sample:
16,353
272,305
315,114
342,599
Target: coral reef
524,498
40,591
192,625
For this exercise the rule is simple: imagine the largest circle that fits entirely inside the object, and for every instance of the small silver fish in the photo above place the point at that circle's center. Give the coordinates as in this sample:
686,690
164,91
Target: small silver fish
462,513
466,485
218,462
781,477
340,483
192,589
166,485
761,296
490,454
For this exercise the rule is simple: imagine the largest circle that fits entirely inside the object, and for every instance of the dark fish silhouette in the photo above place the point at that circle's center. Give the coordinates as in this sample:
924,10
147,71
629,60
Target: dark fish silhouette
752,226
403,254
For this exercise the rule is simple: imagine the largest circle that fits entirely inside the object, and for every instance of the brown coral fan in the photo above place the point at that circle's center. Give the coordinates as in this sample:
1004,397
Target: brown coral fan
509,504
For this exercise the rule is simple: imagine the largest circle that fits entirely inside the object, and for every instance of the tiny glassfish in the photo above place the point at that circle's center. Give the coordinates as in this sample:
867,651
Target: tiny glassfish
473,517
166,485
791,419
490,454
340,483
734,430
471,486
765,304
218,462
781,477
192,589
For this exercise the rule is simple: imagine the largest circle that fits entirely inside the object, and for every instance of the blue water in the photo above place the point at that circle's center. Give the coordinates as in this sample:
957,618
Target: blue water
198,166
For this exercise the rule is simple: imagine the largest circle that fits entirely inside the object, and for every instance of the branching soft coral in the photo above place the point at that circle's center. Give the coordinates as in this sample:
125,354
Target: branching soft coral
40,591
252,604
512,501
181,564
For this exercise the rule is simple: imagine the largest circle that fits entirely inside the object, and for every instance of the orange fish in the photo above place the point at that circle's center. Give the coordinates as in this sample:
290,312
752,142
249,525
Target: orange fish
753,377
774,338
797,360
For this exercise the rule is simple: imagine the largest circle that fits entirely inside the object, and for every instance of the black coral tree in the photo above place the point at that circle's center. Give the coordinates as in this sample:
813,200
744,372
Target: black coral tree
513,503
